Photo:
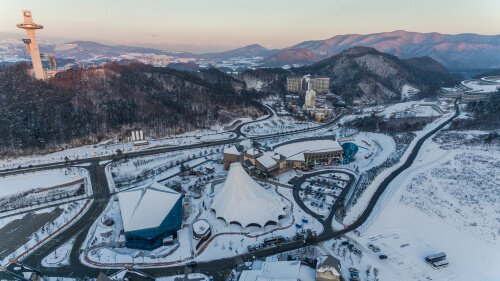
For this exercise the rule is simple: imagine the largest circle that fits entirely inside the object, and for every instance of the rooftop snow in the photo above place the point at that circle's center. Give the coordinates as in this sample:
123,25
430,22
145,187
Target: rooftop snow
146,208
295,151
232,150
267,159
252,151
200,226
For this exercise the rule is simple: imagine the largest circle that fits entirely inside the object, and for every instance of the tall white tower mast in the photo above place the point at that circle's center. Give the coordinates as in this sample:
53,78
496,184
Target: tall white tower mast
32,43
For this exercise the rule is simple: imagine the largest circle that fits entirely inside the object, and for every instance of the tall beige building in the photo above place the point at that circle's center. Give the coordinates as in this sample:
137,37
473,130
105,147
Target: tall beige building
32,43
299,84
320,84
294,84
310,98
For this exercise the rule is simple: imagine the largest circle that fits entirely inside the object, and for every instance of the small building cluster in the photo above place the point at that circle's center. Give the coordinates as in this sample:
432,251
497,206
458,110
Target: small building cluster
268,162
309,88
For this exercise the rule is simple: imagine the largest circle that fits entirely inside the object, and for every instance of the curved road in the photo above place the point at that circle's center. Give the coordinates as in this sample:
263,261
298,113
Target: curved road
218,268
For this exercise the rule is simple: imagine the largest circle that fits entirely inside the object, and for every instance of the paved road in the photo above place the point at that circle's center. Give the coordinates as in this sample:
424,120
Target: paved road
218,268
80,229
101,197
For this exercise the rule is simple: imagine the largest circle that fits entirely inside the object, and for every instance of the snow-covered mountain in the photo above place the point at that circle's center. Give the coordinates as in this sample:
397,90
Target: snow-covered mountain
461,51
254,50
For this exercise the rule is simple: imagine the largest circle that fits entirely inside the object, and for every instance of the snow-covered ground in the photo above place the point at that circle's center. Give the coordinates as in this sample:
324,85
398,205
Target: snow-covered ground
190,276
406,109
59,256
449,201
34,190
363,200
411,109
276,124
10,185
109,147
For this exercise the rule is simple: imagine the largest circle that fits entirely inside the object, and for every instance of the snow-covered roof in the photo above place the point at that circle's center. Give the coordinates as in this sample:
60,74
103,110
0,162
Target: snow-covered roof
252,151
244,201
246,143
201,226
232,150
280,271
146,207
329,264
267,160
295,151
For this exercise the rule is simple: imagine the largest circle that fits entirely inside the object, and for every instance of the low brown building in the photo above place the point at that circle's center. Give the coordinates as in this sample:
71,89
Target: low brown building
328,269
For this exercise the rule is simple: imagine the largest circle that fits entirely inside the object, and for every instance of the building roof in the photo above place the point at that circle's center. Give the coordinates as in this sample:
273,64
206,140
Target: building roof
147,207
233,150
295,151
243,201
329,264
280,271
253,152
201,226
267,160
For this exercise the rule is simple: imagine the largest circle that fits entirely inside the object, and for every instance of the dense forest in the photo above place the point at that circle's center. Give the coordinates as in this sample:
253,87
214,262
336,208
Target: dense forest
82,106
485,115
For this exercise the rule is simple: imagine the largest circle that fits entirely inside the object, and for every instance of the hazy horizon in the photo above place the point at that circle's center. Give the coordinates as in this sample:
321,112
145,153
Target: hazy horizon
204,26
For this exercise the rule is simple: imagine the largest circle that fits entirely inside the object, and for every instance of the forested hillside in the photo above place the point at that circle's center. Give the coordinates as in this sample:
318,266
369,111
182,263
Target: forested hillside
85,106
368,76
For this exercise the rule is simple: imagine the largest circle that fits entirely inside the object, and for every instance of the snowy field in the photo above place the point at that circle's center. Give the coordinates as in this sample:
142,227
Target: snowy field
10,185
109,147
276,125
448,201
363,200
403,110
59,256
411,109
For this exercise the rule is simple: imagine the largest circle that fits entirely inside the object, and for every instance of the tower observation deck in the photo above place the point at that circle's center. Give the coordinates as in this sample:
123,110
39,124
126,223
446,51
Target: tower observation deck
32,43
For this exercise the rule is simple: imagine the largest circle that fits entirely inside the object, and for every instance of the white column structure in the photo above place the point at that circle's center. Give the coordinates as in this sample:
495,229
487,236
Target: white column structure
32,43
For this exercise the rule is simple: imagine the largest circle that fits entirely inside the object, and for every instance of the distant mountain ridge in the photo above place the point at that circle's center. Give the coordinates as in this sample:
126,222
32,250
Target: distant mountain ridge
291,56
455,52
254,50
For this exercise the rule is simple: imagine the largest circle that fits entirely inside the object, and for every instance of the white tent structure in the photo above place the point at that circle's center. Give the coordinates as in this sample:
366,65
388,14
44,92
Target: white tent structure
241,200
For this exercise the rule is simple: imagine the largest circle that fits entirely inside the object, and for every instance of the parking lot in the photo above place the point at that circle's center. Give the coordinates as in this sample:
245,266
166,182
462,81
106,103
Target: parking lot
320,192
17,232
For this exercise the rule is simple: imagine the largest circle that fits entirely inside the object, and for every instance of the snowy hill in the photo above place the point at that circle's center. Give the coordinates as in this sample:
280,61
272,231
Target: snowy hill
447,202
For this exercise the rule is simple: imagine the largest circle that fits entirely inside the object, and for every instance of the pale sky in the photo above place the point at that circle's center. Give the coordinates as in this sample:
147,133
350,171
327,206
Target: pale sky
209,25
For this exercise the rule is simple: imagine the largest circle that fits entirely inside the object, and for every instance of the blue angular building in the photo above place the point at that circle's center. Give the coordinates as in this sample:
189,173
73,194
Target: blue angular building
149,215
